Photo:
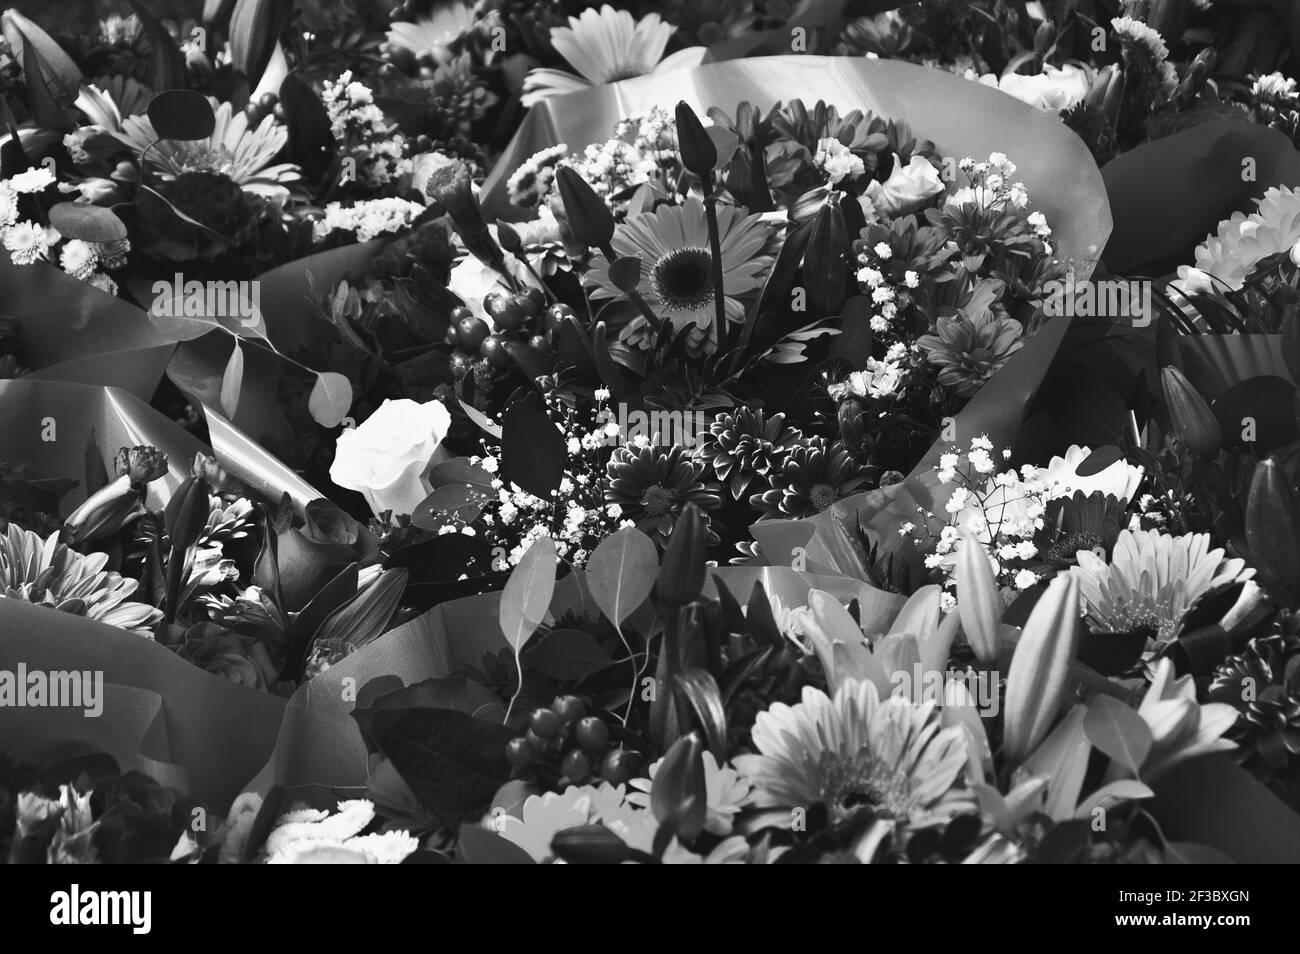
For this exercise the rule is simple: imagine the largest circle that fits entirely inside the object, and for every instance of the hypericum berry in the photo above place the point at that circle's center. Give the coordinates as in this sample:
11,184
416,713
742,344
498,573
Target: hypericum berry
539,343
545,723
495,352
506,312
461,364
592,734
531,300
472,331
460,312
519,753
553,317
535,742
618,766
569,708
453,336
576,765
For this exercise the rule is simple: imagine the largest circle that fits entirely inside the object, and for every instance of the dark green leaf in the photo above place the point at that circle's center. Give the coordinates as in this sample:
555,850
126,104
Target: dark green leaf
477,845
532,450
181,114
566,654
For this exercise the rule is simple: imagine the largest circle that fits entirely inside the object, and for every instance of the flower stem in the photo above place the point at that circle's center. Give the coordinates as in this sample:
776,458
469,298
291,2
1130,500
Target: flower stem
715,250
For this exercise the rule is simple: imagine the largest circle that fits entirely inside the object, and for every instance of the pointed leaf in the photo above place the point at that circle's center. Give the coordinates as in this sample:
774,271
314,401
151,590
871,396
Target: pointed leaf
532,450
232,381
330,399
1119,732
528,592
621,573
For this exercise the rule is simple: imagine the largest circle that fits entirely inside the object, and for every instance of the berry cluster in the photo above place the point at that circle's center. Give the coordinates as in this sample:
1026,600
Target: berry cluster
523,317
563,739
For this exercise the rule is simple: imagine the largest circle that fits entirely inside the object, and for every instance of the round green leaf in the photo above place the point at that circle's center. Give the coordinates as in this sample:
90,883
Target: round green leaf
90,223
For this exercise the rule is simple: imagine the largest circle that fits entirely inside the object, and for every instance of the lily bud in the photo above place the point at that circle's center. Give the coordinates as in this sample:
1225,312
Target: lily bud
978,601
187,513
681,577
1039,678
1273,530
697,150
1044,36
678,795
104,513
590,221
509,238
827,258
140,464
1189,415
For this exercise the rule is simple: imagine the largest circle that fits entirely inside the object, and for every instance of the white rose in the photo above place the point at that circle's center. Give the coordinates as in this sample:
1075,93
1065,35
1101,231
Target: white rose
907,188
1053,90
388,456
1119,480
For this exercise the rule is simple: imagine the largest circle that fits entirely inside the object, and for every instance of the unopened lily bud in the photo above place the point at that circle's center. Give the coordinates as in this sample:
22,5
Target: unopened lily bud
1190,416
104,513
591,222
1039,678
697,150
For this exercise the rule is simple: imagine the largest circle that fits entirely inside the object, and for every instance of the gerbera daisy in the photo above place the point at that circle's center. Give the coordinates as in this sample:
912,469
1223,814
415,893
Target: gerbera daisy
652,484
725,791
1152,580
810,479
433,35
676,266
856,749
235,150
606,46
49,573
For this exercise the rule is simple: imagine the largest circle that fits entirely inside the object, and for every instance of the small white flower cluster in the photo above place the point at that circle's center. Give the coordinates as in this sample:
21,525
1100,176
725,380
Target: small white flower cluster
28,242
534,180
633,156
361,128
991,185
654,132
1147,46
836,161
886,295
576,518
999,511
368,218
879,379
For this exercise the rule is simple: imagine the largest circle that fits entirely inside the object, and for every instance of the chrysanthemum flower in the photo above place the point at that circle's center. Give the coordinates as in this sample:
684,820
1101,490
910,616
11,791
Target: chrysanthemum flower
1242,241
970,346
857,749
1120,480
743,445
49,573
240,152
1152,580
606,46
676,266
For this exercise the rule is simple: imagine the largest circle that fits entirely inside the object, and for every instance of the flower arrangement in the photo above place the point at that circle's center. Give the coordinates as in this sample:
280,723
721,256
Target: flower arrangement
519,433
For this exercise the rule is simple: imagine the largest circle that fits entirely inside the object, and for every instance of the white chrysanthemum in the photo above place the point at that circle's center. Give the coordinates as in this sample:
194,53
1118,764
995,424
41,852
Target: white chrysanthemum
1120,480
36,179
605,46
79,259
1242,241
837,161
309,836
8,206
28,243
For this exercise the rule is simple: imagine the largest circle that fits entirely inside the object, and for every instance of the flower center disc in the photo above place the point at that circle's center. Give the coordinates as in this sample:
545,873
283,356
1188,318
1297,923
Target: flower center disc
822,496
658,501
681,278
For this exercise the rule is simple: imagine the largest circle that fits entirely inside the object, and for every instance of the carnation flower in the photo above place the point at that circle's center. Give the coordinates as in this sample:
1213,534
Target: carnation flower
28,243
79,259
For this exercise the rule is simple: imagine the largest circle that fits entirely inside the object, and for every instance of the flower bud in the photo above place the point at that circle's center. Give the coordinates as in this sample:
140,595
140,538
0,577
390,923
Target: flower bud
1189,415
104,513
1273,530
187,513
591,223
678,796
1039,678
697,150
140,464
681,577
978,601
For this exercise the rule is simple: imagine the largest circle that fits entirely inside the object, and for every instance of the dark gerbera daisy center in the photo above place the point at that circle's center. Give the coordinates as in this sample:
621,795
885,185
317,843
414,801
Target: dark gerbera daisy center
659,501
822,496
681,279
